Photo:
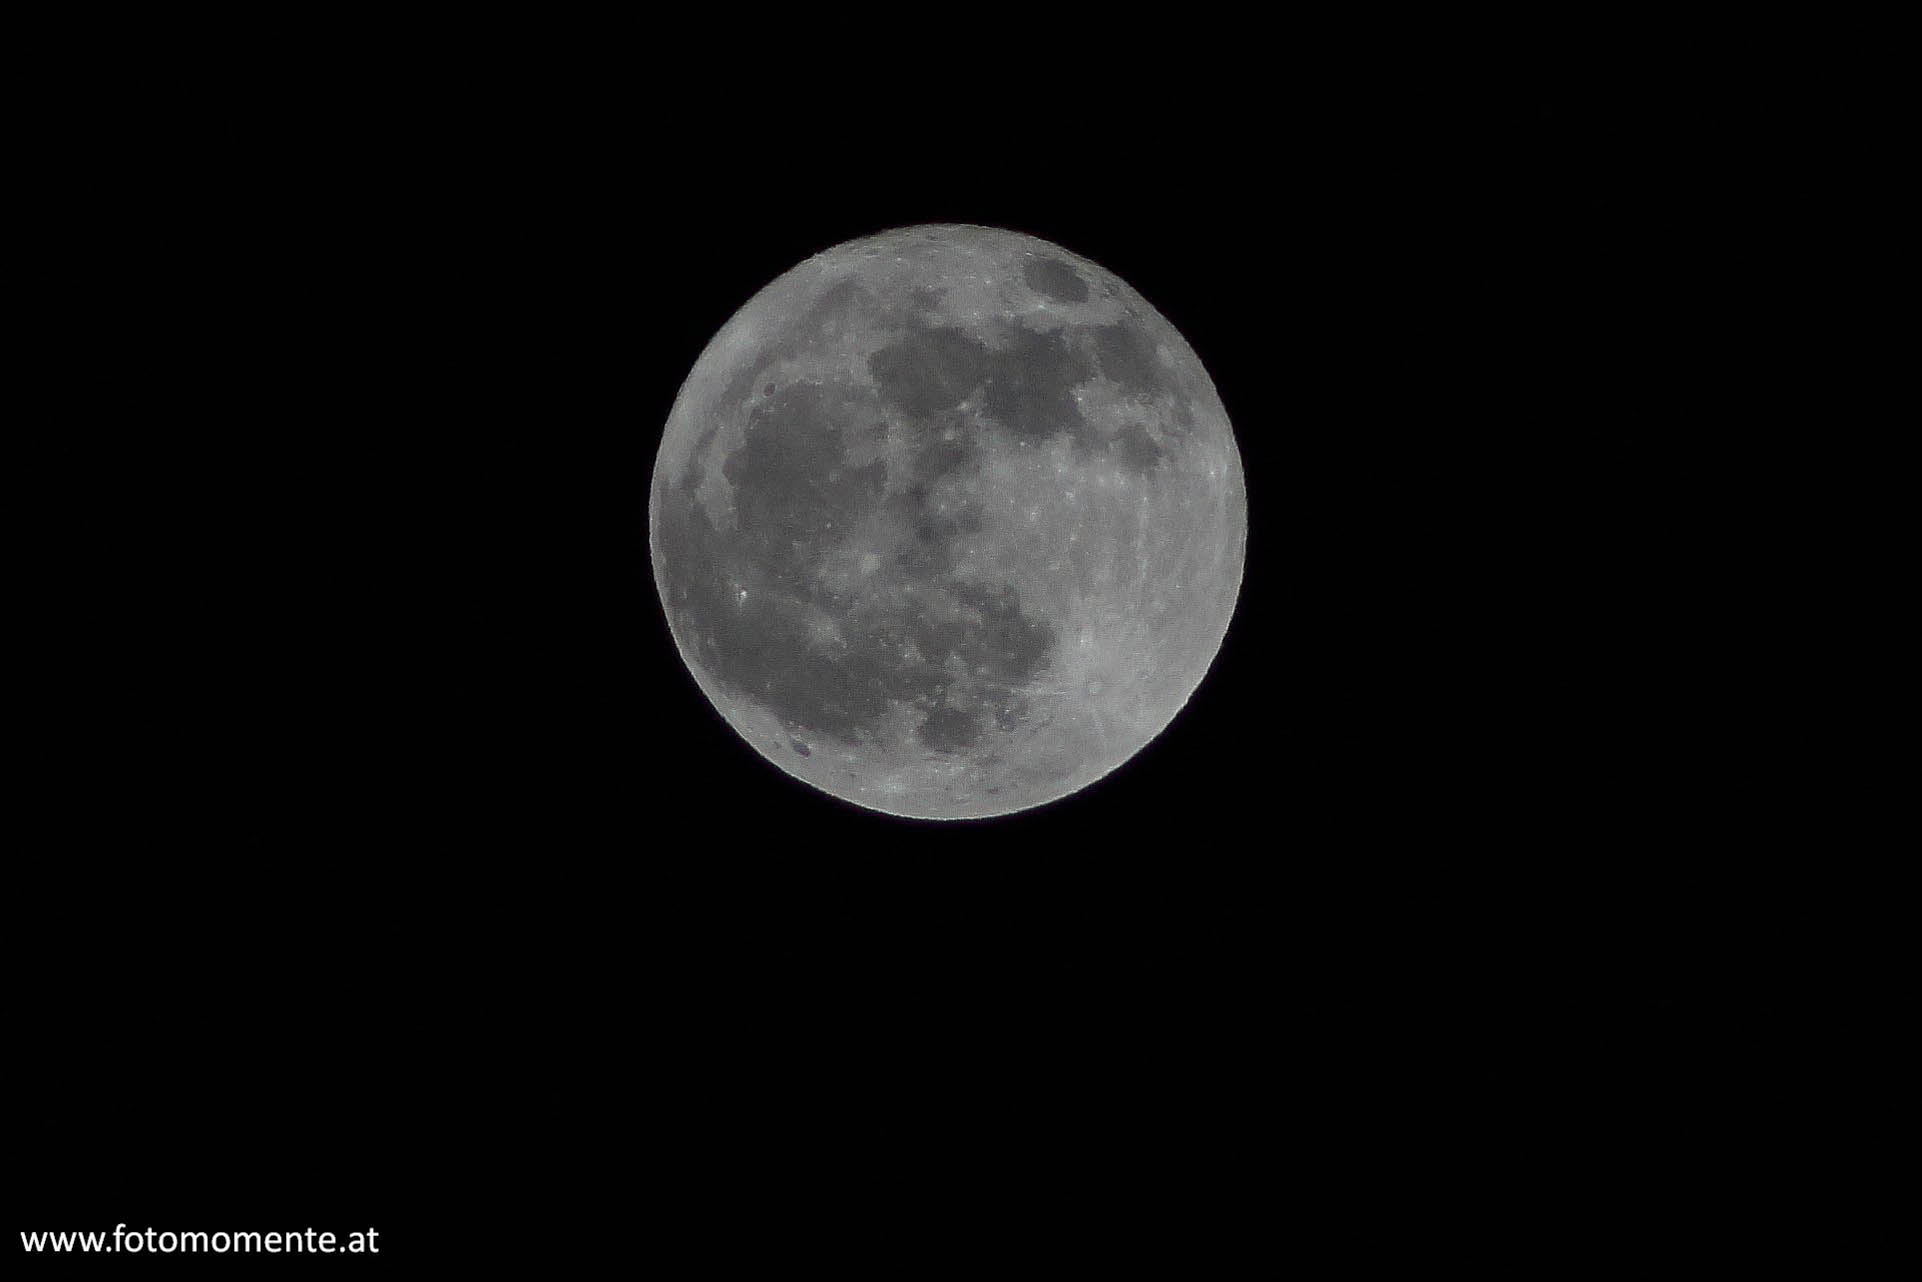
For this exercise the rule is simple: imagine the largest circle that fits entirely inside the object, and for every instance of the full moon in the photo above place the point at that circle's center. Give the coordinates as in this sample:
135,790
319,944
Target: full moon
948,522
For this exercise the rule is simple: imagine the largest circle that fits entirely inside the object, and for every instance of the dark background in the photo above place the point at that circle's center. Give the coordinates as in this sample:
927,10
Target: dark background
391,866
401,872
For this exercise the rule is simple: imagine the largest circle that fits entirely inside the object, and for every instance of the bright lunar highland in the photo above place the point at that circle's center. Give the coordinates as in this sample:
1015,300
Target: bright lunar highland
948,522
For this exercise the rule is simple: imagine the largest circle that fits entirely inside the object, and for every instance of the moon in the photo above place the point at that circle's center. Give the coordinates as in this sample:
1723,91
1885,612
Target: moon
948,522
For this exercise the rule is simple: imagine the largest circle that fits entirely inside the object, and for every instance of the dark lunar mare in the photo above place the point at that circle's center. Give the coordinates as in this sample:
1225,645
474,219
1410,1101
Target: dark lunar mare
1052,278
933,368
1030,386
792,479
1127,355
1027,382
745,595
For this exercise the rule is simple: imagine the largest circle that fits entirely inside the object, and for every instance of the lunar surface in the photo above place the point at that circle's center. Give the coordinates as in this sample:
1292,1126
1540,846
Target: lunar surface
948,522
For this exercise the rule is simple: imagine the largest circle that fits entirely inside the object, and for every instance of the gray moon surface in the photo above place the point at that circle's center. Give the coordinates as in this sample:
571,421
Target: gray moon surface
948,522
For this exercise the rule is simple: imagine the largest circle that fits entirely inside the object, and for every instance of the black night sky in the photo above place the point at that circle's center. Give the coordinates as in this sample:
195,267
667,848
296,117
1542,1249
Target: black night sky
400,866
